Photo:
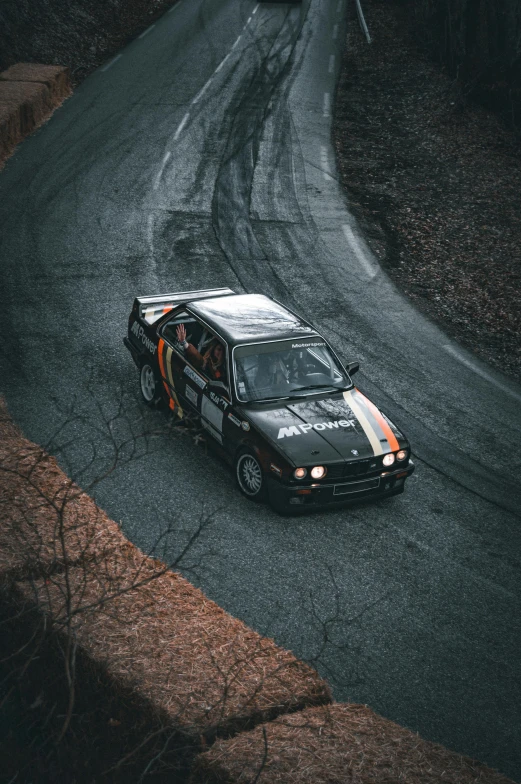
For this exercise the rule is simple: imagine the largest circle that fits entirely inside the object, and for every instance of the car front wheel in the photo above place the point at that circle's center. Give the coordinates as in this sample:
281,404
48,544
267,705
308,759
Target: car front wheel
249,476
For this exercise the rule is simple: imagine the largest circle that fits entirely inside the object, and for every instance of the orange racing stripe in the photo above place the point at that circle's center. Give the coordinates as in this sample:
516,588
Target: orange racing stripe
160,348
393,443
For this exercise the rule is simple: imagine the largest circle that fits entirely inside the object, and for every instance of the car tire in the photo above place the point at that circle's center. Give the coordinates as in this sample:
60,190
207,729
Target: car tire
250,476
149,385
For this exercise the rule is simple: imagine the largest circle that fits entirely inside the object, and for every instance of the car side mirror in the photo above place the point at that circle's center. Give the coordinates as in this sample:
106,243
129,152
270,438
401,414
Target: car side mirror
352,368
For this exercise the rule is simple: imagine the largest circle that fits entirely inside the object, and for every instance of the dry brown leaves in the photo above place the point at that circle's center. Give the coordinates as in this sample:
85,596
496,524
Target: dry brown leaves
435,180
333,745
151,630
45,519
148,628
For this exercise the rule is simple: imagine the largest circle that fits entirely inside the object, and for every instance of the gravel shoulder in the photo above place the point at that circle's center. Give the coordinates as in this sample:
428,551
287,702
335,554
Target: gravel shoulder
435,183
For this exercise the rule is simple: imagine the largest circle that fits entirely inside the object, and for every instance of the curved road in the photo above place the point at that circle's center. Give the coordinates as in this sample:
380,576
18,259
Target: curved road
199,157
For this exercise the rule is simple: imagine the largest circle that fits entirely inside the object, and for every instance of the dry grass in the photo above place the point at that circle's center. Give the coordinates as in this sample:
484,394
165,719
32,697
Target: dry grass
46,520
334,745
75,590
55,77
204,671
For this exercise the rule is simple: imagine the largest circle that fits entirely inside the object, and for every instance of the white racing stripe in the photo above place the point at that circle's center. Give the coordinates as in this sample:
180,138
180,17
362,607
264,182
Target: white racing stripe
168,362
364,422
359,252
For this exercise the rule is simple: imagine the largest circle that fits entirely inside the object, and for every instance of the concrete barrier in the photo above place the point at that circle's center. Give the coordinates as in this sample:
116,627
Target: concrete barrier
29,93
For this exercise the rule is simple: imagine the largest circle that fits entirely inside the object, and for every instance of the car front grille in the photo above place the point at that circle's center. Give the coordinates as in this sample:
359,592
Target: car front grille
342,471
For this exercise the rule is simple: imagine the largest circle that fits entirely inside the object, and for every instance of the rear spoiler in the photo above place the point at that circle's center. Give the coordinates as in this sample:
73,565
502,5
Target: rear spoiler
150,309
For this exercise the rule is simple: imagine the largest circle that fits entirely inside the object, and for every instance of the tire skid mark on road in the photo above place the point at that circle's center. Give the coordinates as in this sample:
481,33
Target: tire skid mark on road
223,61
436,552
234,181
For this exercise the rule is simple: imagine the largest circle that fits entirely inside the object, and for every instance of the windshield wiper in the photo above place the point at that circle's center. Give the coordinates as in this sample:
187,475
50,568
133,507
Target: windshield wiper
318,387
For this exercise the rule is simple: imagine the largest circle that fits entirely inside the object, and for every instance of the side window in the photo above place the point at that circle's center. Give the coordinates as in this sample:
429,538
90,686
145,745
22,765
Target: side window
214,365
200,347
193,329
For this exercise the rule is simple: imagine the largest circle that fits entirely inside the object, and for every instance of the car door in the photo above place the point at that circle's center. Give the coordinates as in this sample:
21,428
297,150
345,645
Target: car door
182,383
189,372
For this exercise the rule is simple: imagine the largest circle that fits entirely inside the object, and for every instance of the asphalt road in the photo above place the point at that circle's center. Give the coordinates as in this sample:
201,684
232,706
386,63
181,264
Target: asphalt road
201,156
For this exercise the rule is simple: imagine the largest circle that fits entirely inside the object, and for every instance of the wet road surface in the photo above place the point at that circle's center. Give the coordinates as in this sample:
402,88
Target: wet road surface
201,157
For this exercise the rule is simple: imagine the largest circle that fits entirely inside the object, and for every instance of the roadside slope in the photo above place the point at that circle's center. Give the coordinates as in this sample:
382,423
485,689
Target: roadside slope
434,180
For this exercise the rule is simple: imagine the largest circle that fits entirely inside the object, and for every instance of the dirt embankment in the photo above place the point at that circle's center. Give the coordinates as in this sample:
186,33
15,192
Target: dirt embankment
435,181
114,668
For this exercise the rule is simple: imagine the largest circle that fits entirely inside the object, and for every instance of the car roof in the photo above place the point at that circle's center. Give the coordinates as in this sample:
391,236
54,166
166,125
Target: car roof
250,318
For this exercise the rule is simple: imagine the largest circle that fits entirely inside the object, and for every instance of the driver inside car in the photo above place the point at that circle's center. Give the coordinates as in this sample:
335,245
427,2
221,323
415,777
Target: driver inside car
212,362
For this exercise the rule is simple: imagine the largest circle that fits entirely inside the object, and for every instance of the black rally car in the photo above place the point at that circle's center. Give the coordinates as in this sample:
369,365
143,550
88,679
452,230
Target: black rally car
272,393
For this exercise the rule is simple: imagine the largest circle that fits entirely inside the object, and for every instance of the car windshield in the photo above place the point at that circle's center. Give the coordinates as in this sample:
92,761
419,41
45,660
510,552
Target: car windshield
289,368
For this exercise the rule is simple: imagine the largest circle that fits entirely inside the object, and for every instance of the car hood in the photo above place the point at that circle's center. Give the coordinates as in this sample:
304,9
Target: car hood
346,425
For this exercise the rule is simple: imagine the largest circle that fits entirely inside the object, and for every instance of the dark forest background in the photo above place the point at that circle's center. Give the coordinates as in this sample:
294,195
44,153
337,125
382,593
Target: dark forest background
478,41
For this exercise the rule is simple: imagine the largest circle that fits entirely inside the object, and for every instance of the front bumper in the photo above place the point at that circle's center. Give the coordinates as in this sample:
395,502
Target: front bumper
322,495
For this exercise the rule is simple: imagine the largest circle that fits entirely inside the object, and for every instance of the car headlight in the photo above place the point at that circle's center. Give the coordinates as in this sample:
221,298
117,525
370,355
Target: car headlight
318,472
300,473
388,459
401,455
